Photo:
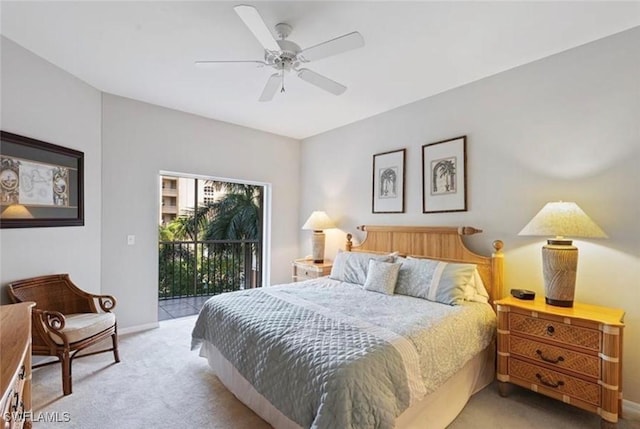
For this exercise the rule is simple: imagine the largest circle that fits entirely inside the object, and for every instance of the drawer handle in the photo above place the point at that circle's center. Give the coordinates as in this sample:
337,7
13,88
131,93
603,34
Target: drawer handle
549,383
551,330
547,359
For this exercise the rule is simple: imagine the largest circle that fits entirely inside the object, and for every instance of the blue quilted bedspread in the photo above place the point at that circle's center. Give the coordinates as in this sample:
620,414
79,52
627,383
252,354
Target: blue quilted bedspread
332,355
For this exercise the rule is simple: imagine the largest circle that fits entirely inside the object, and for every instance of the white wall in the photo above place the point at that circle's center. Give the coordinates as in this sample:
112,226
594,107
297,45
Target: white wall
566,127
44,102
140,140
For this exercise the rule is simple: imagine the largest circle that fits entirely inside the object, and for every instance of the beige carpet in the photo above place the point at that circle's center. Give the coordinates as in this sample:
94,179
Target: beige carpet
161,383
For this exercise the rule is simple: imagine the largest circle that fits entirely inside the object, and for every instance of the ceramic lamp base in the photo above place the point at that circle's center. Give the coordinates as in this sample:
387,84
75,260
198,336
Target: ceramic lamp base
317,247
559,264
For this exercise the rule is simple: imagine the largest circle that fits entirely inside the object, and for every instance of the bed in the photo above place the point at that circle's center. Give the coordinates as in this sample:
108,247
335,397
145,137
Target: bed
346,351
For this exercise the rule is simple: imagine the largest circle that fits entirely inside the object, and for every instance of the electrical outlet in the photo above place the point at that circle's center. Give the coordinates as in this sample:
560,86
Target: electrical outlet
131,240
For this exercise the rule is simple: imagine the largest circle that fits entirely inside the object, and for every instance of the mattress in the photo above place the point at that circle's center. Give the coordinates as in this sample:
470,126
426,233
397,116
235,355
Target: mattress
326,354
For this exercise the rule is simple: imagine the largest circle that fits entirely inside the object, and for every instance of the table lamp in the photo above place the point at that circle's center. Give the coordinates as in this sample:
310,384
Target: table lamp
16,211
317,222
559,256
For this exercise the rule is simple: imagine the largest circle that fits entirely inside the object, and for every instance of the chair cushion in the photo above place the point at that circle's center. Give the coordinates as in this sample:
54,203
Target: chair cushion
80,326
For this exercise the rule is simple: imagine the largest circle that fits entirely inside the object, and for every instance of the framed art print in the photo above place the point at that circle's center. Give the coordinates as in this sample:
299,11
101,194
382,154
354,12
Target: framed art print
388,182
41,184
444,176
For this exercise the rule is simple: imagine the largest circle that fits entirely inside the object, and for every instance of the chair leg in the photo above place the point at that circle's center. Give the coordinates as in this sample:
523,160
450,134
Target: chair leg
65,359
114,340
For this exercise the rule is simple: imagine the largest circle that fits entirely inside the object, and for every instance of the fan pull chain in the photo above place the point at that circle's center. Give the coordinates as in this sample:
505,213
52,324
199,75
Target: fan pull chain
282,89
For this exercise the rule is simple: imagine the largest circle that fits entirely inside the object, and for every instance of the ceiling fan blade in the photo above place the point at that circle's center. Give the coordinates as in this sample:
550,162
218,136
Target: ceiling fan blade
215,63
255,23
270,88
321,81
332,47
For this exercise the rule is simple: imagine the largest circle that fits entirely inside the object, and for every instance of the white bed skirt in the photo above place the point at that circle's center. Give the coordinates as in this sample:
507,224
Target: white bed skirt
434,411
438,409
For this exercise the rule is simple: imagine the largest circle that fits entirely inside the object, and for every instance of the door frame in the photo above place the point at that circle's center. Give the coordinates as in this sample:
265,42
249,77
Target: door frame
266,211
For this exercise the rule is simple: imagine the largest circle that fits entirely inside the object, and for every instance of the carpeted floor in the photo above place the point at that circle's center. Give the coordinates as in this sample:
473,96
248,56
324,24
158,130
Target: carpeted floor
161,383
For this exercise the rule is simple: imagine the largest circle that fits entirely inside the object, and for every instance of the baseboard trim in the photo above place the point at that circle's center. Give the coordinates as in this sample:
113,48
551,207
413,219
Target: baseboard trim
630,410
138,328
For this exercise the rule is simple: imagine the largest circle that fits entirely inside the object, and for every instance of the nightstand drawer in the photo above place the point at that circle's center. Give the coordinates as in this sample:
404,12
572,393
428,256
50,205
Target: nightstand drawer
561,333
304,269
306,273
556,381
581,363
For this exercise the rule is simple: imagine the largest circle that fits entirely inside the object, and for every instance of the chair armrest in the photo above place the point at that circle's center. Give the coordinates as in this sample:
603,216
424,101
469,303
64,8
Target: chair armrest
107,302
53,320
50,321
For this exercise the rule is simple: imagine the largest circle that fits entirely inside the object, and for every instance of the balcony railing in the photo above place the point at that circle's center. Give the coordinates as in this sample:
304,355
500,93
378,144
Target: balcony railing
202,268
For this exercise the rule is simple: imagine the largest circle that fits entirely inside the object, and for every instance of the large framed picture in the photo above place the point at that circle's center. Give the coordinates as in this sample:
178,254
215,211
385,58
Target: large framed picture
388,182
444,176
41,184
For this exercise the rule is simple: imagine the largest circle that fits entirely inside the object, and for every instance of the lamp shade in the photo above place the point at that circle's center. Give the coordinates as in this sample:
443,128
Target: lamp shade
318,221
16,211
562,219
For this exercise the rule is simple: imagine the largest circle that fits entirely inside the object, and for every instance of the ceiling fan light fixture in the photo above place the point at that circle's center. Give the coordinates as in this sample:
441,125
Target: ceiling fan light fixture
284,55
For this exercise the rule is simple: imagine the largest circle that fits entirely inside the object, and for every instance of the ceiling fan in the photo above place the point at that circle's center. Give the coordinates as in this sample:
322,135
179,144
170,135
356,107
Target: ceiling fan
284,55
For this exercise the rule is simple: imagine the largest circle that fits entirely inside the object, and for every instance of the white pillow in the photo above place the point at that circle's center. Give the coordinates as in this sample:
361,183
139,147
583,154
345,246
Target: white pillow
415,276
438,281
475,290
382,276
352,267
449,282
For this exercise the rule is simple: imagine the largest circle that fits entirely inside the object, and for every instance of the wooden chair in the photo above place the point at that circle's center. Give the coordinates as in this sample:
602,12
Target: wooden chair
66,320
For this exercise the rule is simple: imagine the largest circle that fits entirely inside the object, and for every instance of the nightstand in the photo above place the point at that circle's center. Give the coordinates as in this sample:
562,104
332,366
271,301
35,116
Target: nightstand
570,354
305,269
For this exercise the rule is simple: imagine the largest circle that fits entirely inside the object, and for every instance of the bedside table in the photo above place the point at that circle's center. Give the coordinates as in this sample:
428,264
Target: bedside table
305,269
570,354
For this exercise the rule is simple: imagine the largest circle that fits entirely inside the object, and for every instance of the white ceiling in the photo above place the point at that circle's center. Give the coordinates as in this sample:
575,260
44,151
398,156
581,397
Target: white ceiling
145,50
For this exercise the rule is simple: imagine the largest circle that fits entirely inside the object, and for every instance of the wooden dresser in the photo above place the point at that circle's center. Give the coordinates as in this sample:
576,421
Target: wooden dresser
15,365
305,269
570,354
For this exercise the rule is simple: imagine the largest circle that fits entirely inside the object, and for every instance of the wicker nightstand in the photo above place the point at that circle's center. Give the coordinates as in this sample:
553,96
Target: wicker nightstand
570,354
305,269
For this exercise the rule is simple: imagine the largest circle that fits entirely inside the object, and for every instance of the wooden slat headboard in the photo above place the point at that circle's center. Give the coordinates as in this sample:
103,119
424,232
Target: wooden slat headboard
435,242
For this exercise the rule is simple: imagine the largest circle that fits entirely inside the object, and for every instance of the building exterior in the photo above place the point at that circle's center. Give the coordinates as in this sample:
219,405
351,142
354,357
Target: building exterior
177,196
169,194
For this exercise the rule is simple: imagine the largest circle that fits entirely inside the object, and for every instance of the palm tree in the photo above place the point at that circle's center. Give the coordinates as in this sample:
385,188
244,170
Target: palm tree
235,216
388,183
191,225
446,169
